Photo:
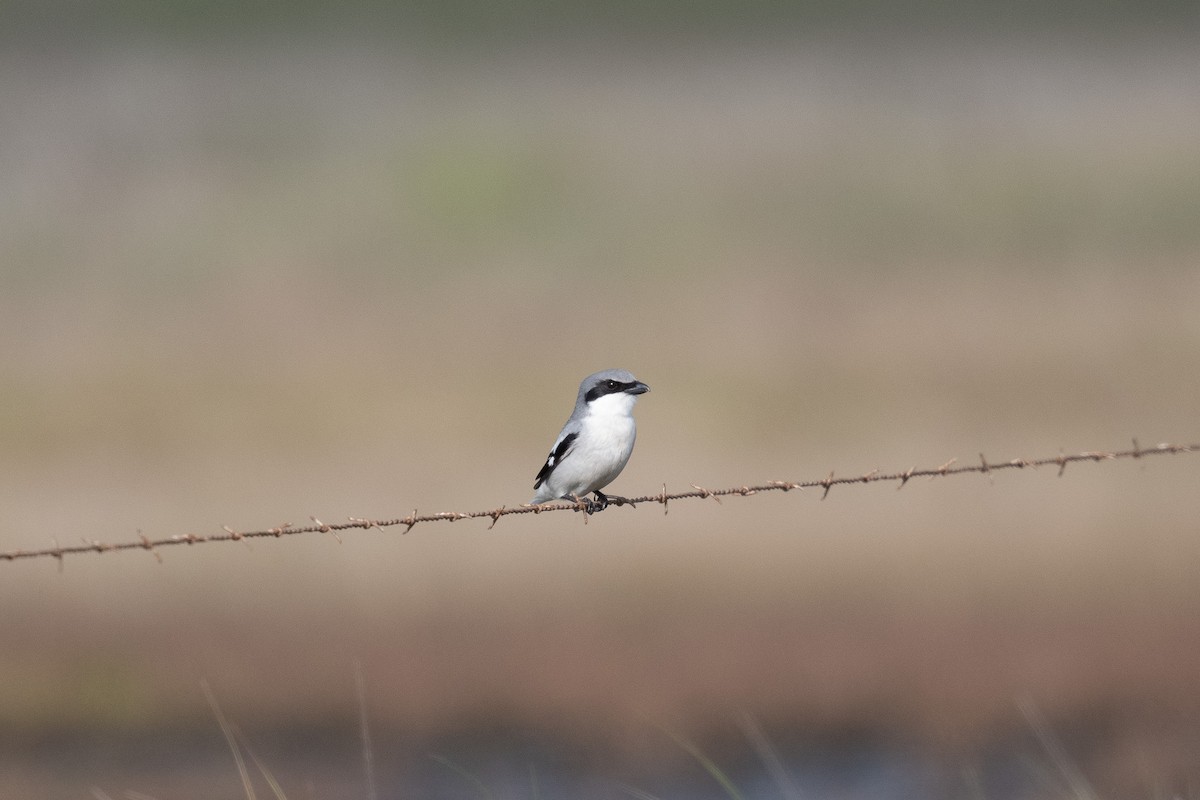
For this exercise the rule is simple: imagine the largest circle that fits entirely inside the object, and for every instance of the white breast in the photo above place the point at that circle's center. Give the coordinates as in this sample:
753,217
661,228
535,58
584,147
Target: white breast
603,449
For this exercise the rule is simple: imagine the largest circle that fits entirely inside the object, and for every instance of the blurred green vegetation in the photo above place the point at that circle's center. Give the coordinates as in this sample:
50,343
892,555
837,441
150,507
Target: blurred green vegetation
520,20
446,201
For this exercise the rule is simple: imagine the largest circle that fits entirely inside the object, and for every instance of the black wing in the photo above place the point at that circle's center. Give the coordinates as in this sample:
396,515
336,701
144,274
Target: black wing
556,456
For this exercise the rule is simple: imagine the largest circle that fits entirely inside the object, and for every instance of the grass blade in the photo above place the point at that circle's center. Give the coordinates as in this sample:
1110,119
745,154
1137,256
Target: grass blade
709,765
1054,748
228,731
769,757
466,775
368,753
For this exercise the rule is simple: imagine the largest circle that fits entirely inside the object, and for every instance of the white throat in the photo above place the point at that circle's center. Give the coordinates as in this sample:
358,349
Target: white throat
619,404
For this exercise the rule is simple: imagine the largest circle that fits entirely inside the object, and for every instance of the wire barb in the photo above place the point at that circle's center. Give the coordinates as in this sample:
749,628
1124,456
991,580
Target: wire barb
496,515
229,534
827,483
149,545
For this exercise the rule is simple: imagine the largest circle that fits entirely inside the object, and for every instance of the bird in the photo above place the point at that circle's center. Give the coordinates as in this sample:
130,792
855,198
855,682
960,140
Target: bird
594,444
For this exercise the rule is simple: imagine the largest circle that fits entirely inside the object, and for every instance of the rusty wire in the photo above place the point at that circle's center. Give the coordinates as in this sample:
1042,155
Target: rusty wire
825,484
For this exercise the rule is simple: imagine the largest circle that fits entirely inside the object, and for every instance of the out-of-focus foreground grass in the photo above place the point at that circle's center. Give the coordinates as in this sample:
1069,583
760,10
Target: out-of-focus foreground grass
248,283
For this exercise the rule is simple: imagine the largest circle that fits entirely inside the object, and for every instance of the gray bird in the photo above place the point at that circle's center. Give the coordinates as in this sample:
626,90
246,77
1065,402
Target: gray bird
595,444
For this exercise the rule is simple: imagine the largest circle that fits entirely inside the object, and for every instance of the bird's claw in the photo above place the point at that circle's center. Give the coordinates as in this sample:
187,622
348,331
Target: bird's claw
599,504
589,506
586,505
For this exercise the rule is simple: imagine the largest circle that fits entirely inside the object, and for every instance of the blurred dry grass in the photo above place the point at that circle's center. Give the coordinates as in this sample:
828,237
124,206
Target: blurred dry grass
246,286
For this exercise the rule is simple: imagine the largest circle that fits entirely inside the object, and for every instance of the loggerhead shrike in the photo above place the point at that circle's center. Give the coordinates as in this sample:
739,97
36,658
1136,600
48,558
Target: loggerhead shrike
595,444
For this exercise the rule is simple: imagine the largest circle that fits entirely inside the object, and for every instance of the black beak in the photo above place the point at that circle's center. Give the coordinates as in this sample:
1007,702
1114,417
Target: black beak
638,388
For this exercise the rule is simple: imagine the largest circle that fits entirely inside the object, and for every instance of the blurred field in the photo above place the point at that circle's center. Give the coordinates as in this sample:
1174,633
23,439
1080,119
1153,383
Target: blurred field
251,282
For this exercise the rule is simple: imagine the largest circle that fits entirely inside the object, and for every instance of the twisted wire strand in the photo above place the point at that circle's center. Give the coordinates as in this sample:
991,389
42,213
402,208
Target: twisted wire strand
664,497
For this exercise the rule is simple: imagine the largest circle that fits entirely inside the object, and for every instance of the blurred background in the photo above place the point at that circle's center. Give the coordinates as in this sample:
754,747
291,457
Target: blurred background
265,261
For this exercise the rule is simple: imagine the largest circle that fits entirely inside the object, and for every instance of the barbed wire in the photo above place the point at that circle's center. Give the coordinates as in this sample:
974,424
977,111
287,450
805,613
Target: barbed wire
664,497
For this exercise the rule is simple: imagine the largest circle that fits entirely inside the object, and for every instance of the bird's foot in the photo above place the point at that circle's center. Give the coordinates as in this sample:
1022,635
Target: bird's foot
587,505
583,504
617,500
600,503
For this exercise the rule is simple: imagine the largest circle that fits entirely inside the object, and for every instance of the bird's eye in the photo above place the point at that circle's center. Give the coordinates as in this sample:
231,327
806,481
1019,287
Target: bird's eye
611,384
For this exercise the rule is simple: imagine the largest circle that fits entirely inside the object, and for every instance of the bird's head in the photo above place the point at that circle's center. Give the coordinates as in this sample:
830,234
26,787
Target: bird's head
617,385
